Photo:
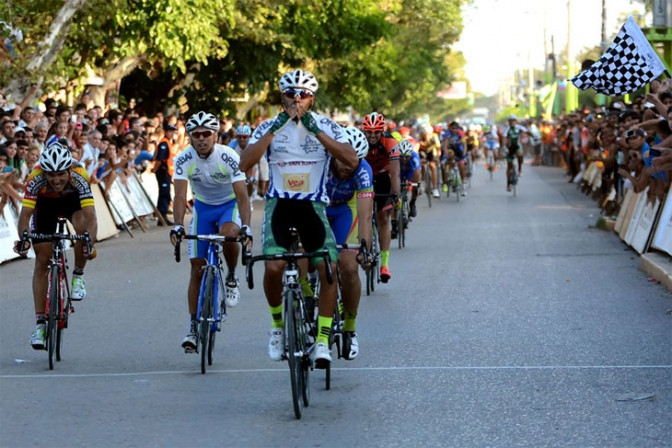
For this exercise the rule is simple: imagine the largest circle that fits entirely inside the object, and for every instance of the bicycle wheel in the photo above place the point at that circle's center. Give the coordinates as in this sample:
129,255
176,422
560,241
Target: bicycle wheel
295,373
375,269
206,315
305,358
428,186
62,325
52,317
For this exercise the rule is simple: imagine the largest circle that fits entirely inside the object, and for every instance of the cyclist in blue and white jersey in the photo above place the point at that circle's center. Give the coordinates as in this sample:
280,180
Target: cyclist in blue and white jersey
454,140
243,134
491,140
221,205
350,213
299,145
410,170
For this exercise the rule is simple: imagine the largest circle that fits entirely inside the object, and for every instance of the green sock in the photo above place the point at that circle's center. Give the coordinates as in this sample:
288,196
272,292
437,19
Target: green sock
276,315
349,324
384,257
306,290
324,324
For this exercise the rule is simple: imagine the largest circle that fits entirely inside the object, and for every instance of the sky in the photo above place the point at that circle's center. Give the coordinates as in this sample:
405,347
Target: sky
499,35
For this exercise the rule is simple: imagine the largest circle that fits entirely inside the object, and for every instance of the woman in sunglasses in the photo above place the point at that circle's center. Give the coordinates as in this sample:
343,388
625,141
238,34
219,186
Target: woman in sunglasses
299,145
221,205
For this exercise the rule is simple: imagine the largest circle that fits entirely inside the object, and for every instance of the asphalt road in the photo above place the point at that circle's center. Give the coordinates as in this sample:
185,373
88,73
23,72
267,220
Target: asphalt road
508,322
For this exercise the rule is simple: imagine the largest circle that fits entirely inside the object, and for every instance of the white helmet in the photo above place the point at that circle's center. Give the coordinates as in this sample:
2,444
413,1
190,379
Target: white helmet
202,120
298,79
406,148
358,141
56,157
243,129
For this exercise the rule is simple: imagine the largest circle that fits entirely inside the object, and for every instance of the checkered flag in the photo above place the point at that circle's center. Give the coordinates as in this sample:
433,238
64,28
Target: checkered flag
628,65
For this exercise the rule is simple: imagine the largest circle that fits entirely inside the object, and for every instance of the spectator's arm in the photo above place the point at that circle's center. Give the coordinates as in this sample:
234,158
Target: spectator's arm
29,96
660,107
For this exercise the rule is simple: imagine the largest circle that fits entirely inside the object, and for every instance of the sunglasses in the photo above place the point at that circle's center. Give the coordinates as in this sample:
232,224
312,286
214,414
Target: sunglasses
298,93
199,134
634,133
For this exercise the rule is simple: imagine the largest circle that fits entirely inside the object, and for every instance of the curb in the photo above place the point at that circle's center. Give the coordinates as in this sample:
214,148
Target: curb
659,267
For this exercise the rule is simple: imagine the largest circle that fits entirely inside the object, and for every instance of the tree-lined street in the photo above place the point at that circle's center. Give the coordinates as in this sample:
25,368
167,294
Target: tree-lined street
508,322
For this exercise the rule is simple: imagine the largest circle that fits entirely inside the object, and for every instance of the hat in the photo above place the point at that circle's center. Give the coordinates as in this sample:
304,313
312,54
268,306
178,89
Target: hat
169,127
647,105
19,129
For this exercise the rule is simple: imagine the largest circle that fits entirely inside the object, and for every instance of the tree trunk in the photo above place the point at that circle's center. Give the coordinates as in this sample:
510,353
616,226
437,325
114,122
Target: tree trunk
112,75
52,44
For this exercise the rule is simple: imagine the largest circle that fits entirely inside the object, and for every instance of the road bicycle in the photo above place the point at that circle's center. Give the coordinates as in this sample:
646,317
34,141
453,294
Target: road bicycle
491,162
59,303
427,181
373,274
297,338
455,181
513,177
404,213
211,311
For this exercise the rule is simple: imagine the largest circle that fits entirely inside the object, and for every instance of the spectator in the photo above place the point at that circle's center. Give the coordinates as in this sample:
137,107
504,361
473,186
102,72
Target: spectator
41,130
8,128
163,168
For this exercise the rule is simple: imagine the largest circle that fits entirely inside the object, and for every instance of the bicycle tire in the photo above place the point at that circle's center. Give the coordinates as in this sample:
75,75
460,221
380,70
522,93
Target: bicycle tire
52,318
206,313
428,186
306,362
290,348
375,277
62,326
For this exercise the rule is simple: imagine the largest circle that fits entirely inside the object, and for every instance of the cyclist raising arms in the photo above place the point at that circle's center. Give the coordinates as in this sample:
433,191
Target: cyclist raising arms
512,136
299,145
221,204
350,212
58,186
383,157
454,140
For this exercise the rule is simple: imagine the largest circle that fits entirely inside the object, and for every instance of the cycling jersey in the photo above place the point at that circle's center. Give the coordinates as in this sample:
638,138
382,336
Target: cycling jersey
408,165
380,154
235,146
342,191
212,178
514,134
455,142
298,162
77,188
430,146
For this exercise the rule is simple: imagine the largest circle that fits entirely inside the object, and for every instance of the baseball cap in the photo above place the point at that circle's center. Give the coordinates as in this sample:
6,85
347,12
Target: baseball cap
169,127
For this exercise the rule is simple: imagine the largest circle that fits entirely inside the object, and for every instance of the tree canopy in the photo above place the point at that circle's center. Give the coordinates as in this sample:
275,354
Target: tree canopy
387,55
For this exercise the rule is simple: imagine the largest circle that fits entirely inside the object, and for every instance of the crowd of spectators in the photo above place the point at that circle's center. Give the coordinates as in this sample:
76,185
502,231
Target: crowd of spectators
110,143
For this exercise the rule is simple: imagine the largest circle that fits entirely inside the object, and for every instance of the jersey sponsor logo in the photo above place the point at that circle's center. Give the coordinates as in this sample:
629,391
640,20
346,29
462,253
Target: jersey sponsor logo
231,162
261,129
197,172
311,145
298,182
368,194
196,179
181,160
336,129
280,148
220,177
364,178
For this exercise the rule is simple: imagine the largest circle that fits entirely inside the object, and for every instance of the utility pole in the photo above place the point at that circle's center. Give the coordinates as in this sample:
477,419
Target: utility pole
570,90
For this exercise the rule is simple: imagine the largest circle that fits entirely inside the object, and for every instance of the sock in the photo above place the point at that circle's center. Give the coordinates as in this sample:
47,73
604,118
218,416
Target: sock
78,272
306,290
349,324
276,315
324,324
40,318
193,323
384,257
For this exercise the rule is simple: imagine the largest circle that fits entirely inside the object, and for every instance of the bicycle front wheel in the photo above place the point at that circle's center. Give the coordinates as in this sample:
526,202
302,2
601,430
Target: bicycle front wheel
206,315
291,348
52,317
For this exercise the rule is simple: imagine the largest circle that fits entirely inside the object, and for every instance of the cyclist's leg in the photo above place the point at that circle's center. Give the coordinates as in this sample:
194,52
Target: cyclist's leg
519,155
230,223
417,176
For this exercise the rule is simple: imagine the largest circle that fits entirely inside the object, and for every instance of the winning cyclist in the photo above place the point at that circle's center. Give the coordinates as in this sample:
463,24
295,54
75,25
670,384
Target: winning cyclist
299,145
512,136
221,204
57,187
350,212
411,171
454,140
383,156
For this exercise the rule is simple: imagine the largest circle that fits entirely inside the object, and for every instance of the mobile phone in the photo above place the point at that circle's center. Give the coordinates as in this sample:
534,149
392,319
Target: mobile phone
7,169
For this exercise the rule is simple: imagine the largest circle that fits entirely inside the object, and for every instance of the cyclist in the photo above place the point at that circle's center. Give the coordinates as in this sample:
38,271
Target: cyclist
58,186
299,145
221,205
383,156
454,140
410,171
429,148
243,134
491,140
514,148
350,212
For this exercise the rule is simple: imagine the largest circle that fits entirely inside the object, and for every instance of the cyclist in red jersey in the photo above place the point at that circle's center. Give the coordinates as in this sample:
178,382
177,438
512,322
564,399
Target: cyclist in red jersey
383,156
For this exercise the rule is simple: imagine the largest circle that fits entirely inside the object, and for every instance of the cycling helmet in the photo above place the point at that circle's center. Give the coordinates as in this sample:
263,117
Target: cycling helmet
56,157
358,141
298,79
406,148
243,129
374,122
202,120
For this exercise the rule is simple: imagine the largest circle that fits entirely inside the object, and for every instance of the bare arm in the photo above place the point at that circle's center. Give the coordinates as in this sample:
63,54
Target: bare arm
180,201
91,222
364,217
240,188
394,174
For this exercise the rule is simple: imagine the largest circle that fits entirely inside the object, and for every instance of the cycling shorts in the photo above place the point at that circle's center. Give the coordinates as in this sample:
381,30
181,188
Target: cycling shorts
382,185
492,145
48,210
206,220
309,218
344,222
512,154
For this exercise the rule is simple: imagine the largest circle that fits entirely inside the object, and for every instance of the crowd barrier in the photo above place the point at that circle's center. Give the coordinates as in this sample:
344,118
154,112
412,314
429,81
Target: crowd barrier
124,205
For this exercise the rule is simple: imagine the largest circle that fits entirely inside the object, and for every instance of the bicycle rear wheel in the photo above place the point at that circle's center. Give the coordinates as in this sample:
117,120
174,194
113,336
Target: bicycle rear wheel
206,315
291,348
52,317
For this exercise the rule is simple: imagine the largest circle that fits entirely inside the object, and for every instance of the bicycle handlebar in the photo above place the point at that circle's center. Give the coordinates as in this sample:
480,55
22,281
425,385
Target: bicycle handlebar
56,237
217,239
285,256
